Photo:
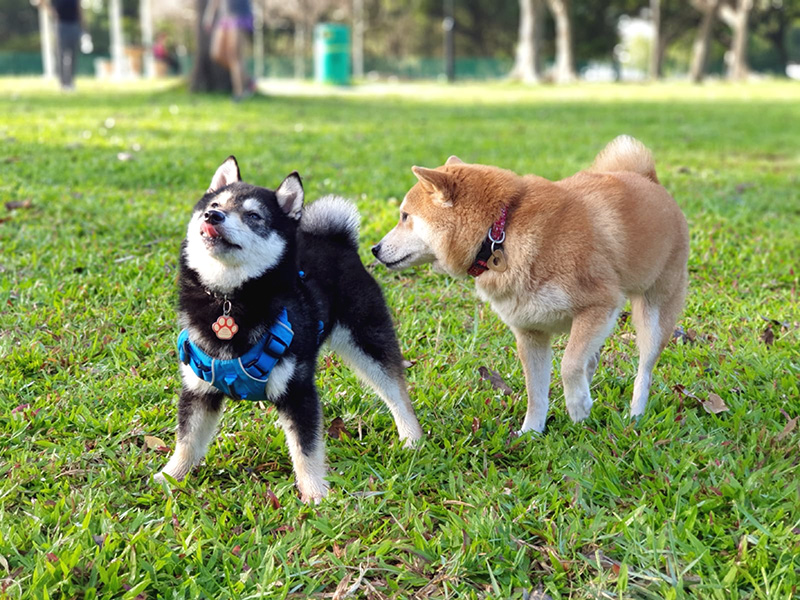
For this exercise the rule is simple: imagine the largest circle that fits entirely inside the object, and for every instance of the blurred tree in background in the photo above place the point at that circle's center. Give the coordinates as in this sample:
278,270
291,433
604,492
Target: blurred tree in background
729,37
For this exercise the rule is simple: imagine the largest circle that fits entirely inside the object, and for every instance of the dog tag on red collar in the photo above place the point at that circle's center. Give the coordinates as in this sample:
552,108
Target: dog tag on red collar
497,261
225,327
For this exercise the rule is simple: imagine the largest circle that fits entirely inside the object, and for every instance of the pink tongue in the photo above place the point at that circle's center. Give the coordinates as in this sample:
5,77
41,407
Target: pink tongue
210,230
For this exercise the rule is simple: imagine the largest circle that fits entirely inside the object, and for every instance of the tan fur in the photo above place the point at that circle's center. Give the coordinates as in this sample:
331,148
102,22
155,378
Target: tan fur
575,248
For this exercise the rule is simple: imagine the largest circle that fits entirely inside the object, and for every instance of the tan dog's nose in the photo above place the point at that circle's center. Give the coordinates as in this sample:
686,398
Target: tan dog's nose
376,249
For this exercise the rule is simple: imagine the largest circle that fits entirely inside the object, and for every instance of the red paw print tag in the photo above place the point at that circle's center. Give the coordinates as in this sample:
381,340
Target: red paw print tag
225,327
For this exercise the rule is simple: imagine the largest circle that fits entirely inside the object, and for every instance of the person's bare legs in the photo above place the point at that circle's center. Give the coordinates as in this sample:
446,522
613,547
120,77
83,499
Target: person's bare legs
236,62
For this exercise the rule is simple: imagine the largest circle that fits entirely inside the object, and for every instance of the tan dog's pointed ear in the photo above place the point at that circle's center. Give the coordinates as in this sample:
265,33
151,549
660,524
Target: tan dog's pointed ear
437,183
227,173
454,160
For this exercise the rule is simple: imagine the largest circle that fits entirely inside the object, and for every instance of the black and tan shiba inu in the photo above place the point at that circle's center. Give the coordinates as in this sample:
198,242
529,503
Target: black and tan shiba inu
558,256
263,283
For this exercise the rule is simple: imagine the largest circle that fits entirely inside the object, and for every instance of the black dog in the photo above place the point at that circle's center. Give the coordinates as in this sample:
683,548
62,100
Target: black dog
263,284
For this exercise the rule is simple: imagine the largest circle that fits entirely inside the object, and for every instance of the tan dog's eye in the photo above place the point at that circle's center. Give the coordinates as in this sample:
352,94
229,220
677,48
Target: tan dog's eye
404,217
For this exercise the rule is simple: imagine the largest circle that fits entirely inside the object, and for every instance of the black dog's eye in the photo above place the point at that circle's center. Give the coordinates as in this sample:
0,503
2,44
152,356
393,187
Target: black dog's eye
404,216
253,216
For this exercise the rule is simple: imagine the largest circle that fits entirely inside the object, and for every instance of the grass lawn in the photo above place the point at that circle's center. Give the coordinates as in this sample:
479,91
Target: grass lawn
98,187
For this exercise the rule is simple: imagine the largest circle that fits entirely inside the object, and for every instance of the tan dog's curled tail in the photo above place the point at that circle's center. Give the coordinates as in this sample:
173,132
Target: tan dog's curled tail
625,153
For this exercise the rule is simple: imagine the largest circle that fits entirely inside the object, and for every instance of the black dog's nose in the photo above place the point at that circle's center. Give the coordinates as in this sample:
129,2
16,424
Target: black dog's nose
376,249
215,217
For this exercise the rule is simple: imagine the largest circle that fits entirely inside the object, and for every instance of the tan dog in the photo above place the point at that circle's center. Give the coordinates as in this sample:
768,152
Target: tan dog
560,256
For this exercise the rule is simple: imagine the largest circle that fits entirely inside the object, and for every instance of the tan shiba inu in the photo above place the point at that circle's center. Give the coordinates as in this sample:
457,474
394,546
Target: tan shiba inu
558,256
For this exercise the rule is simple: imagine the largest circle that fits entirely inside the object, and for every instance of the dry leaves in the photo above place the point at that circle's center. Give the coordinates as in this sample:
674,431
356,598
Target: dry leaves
338,429
714,404
15,204
787,430
494,378
273,499
154,443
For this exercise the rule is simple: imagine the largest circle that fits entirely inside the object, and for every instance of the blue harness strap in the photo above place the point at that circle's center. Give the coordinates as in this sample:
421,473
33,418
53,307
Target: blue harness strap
243,378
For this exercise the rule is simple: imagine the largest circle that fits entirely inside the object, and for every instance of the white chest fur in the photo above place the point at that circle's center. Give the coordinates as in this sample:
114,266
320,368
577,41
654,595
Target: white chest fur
545,309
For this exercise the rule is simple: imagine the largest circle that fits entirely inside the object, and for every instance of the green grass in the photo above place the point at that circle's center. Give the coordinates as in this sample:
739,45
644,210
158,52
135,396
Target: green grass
683,504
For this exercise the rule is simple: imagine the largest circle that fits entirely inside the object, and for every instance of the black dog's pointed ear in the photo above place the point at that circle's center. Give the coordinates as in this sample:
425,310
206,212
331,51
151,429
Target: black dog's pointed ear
290,195
227,173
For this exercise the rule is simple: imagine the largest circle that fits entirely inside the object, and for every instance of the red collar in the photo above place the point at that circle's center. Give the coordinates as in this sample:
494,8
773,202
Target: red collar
492,244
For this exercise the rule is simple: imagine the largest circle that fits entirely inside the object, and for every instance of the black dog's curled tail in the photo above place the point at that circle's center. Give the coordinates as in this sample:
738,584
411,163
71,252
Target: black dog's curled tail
332,217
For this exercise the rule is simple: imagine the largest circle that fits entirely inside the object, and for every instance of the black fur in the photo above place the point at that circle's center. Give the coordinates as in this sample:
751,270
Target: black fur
336,290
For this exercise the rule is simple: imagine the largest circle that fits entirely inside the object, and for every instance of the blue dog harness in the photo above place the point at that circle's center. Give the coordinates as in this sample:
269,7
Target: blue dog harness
243,378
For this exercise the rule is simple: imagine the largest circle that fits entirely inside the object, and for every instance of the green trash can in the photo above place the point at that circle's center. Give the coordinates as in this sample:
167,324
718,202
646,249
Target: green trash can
332,53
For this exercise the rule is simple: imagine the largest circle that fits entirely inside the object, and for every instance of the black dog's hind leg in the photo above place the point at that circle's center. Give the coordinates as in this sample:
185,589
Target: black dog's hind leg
370,349
199,411
300,416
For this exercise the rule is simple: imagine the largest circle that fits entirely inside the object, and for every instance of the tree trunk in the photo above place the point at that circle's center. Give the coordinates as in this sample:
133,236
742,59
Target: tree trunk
656,47
527,63
146,25
258,41
702,40
737,19
358,39
207,76
47,36
565,63
299,50
119,64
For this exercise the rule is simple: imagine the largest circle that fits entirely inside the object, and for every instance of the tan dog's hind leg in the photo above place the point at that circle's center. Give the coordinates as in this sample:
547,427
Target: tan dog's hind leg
654,325
536,355
589,330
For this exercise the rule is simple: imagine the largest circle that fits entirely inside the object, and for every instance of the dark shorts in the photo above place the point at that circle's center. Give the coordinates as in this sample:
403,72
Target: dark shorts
240,23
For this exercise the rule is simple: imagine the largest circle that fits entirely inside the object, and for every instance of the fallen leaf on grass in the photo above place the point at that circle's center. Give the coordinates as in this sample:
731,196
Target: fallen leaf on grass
494,378
714,404
768,337
99,540
681,389
273,499
790,427
15,204
154,443
687,337
337,429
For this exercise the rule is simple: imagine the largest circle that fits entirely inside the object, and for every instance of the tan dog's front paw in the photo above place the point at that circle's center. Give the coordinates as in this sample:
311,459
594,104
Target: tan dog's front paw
579,408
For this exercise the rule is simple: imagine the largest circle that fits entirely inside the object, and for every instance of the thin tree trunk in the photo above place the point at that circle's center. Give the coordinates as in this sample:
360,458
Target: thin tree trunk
146,20
565,63
738,19
299,50
527,62
47,36
118,64
702,40
207,76
358,39
656,53
258,41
